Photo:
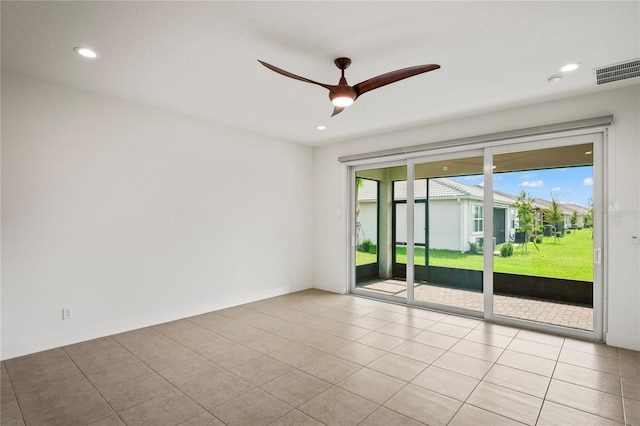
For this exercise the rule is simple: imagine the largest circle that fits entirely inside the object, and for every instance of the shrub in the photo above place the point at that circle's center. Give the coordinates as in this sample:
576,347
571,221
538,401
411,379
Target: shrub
568,231
473,248
365,245
373,249
538,240
531,238
558,234
506,250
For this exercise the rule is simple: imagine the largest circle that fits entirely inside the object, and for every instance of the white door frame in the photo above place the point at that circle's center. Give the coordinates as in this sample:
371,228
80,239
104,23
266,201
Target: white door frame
596,135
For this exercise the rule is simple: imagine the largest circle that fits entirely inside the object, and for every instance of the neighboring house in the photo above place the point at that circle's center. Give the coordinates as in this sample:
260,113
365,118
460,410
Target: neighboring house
566,209
540,205
456,213
581,212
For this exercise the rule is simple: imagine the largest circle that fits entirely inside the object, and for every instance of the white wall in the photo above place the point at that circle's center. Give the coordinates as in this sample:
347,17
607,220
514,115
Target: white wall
444,217
369,221
445,225
330,231
135,216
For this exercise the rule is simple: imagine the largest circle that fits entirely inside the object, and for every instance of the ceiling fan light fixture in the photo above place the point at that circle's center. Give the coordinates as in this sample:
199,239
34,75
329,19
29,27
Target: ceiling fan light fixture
342,96
342,101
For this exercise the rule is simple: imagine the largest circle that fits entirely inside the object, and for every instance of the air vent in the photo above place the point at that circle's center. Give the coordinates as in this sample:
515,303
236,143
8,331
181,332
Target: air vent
616,72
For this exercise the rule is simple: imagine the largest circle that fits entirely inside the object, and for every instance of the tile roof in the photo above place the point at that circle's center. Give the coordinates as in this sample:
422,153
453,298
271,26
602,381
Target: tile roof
443,188
439,188
575,207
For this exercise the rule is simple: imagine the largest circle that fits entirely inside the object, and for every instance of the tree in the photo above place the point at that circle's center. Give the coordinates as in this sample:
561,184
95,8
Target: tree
574,219
554,216
526,216
588,218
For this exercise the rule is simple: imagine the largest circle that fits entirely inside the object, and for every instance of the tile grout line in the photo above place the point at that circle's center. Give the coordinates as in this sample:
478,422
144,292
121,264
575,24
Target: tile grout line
268,333
479,381
268,356
220,366
14,393
385,352
92,384
151,368
438,321
482,380
544,398
624,406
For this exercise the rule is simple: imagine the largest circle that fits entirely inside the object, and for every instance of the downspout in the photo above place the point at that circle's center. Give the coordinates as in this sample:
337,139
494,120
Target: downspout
461,227
427,234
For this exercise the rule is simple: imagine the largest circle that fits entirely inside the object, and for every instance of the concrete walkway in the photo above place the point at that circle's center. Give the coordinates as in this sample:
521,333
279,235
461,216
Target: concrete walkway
556,313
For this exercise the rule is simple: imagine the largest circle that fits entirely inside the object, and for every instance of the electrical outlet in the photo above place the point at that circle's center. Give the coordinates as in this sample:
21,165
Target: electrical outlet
67,313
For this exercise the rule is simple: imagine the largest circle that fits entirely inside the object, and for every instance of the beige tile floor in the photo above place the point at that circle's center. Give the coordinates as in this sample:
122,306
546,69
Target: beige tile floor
313,358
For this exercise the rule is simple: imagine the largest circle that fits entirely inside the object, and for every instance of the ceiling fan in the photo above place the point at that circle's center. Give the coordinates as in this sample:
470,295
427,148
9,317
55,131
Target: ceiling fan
342,95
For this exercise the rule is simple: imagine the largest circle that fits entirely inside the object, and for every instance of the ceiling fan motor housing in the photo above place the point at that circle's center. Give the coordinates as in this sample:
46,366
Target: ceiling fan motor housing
342,95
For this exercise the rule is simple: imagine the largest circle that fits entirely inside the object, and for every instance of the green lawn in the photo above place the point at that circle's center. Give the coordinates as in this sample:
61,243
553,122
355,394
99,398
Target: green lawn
571,258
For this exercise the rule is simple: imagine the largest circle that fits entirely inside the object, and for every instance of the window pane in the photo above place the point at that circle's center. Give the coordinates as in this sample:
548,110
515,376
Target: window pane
545,269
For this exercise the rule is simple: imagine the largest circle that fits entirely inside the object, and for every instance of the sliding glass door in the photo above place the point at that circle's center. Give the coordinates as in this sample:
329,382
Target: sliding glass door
448,232
373,247
510,232
546,272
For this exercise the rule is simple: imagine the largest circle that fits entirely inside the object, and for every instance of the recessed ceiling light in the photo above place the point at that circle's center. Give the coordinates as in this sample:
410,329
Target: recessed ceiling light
320,127
86,52
588,153
570,67
554,79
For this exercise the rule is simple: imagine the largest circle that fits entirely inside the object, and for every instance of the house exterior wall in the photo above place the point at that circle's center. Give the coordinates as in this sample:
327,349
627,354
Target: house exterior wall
471,235
445,227
444,215
369,221
451,223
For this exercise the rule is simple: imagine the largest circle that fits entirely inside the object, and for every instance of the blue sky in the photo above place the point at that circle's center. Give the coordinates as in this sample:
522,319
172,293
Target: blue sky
568,185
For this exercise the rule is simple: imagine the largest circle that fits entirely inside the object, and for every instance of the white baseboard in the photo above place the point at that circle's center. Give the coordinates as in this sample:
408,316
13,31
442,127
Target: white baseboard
329,287
623,341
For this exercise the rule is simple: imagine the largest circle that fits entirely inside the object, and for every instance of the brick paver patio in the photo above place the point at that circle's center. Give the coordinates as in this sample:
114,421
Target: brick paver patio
556,313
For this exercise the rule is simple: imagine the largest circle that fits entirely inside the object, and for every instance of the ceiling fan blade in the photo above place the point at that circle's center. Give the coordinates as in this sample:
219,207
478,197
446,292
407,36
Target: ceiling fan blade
290,75
337,110
392,77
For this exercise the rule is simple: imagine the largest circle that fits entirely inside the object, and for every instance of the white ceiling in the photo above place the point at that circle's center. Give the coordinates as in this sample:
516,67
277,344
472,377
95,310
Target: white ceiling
200,58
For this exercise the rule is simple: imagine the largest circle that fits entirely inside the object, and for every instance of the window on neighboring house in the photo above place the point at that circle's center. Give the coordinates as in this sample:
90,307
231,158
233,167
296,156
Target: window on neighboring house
513,219
478,218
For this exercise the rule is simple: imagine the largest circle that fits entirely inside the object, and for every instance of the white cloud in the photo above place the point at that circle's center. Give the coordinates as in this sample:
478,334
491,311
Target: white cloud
556,189
532,184
588,182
